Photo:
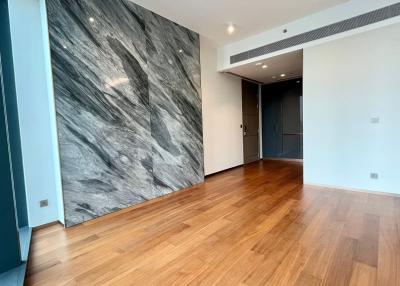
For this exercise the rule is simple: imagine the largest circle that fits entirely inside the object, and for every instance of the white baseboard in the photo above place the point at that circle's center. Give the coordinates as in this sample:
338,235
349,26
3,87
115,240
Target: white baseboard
341,188
284,159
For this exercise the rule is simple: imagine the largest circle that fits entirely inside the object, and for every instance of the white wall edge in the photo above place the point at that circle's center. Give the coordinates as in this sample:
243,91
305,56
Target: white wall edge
222,113
52,111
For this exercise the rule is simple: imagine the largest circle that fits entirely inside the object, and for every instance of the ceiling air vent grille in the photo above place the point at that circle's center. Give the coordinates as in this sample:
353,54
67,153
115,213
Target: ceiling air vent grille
336,28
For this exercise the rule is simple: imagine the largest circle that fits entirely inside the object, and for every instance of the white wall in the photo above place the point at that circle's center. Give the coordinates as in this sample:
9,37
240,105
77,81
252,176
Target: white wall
222,113
36,111
346,83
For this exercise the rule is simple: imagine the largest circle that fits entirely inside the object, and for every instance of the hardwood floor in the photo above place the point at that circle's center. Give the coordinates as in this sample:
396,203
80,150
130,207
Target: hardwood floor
256,225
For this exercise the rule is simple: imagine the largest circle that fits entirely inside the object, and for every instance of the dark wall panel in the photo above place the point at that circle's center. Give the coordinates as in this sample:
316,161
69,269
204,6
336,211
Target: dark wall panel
9,242
282,120
12,116
128,102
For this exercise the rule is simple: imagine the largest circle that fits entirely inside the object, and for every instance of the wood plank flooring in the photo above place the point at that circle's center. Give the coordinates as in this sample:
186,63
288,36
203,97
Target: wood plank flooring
255,225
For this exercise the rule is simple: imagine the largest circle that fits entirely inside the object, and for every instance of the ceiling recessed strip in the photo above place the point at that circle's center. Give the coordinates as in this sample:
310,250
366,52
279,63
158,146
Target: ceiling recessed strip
333,29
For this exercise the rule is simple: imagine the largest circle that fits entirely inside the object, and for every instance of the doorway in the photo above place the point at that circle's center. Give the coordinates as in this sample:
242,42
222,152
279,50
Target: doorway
272,98
250,108
282,120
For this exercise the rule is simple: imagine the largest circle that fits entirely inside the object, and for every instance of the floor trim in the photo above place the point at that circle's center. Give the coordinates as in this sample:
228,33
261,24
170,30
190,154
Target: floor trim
225,170
283,159
36,228
338,188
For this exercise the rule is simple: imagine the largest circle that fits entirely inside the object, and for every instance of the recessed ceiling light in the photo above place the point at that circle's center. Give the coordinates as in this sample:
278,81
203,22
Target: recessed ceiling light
283,75
91,19
65,47
259,64
231,29
264,66
180,51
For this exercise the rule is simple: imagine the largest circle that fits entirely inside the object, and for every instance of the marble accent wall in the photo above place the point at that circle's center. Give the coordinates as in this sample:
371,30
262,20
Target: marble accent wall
128,102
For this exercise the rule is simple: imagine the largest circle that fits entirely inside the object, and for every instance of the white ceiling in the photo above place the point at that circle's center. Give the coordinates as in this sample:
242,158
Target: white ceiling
290,64
211,17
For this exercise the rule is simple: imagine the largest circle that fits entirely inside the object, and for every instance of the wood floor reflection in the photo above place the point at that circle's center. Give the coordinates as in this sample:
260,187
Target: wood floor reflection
253,225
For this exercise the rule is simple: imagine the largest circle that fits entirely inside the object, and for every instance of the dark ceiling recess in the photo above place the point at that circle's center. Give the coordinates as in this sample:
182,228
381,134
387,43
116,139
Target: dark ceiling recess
326,31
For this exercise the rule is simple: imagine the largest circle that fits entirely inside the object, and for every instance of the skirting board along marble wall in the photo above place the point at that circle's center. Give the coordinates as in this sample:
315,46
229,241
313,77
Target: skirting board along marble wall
128,103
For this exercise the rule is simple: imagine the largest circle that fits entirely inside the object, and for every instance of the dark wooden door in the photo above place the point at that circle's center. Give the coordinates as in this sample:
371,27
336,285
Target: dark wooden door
250,121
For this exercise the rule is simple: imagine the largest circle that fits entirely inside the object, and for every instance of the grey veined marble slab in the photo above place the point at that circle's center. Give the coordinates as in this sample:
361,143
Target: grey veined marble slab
128,103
